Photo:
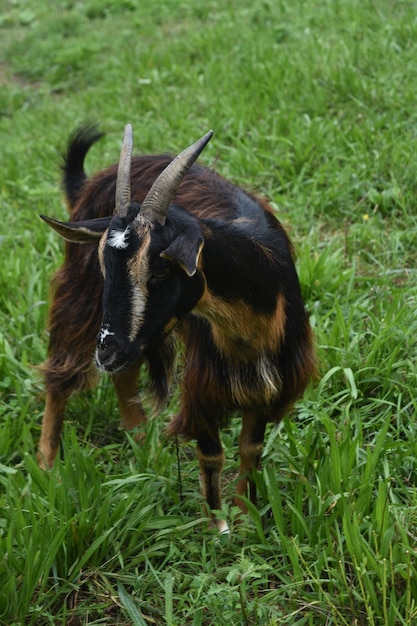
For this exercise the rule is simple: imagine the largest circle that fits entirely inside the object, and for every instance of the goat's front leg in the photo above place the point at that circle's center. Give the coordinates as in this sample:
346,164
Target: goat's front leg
251,442
131,410
53,419
211,460
65,374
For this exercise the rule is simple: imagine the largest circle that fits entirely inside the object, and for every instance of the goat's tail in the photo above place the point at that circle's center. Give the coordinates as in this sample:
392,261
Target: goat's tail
72,166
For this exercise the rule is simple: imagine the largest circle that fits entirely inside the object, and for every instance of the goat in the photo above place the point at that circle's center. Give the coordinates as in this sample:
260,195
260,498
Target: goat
182,254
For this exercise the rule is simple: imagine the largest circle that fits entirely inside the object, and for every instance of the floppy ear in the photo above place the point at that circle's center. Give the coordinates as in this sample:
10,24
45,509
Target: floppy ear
185,250
87,231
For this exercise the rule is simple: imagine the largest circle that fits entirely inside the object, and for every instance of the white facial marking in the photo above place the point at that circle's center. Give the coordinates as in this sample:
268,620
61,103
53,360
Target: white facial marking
118,238
105,333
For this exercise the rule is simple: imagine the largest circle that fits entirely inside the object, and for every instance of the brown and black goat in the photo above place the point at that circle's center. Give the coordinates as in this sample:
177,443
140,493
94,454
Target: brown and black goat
182,253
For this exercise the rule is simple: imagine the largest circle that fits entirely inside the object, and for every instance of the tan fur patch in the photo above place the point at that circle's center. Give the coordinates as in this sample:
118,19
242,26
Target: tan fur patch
238,331
138,267
247,339
170,325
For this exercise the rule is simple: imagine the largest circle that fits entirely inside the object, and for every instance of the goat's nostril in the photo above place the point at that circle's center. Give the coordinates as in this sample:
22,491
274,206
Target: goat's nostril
106,354
105,351
105,357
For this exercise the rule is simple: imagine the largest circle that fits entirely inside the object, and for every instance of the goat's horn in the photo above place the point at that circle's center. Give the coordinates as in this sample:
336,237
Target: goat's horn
123,174
156,204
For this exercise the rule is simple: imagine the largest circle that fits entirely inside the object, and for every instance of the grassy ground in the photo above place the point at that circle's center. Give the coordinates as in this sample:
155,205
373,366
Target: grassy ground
314,105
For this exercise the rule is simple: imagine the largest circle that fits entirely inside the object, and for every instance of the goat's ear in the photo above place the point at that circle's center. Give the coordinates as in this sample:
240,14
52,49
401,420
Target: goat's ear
185,250
87,231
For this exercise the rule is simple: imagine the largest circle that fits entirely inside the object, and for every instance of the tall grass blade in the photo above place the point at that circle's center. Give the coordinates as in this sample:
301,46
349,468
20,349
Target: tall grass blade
130,607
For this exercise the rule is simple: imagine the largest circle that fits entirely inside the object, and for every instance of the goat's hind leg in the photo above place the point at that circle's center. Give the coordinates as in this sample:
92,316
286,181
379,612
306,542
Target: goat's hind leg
211,460
251,442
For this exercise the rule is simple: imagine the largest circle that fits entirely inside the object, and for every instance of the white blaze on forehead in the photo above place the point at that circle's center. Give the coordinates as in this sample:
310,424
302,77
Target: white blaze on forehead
118,238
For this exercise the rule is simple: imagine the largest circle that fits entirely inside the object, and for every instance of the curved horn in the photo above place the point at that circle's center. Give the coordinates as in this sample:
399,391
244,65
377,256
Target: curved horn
123,174
156,204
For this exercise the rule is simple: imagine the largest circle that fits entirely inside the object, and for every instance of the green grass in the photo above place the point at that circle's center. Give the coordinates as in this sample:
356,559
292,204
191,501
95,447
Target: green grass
313,105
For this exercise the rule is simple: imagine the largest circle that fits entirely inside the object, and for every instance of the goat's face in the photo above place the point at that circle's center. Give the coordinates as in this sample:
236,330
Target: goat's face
149,257
151,280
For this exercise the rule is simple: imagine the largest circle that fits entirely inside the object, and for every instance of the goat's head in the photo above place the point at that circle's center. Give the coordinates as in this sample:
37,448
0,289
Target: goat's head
149,260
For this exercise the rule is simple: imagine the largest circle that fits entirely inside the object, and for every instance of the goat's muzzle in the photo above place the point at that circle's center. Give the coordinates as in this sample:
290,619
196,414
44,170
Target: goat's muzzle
106,358
111,356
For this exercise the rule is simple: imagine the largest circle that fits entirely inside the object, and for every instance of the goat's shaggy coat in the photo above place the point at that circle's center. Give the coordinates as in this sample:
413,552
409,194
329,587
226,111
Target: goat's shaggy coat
217,273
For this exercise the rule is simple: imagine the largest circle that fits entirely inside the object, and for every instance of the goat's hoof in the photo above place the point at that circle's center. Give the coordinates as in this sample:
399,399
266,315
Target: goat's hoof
221,526
43,464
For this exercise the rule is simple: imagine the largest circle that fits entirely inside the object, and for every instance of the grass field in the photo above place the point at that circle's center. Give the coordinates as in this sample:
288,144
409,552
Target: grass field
313,104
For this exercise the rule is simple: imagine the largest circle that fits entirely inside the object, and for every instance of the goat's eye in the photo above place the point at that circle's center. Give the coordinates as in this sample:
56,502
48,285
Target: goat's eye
161,273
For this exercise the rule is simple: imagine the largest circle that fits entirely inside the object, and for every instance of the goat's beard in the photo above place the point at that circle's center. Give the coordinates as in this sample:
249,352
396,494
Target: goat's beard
161,361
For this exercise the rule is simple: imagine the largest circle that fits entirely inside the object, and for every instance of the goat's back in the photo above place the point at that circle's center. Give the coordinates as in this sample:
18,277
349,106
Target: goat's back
203,192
